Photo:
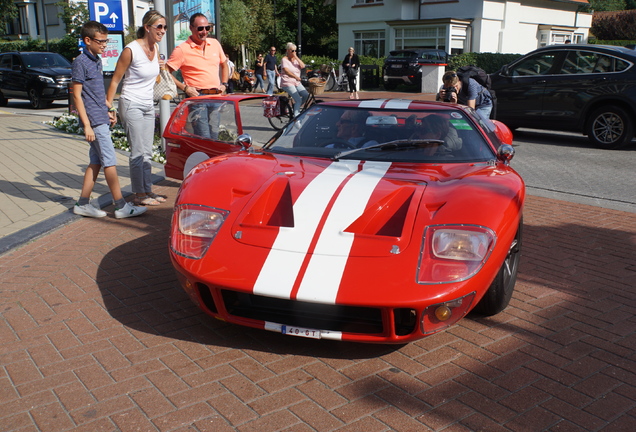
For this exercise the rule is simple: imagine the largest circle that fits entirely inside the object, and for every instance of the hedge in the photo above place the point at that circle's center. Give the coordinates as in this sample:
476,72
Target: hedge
612,42
67,46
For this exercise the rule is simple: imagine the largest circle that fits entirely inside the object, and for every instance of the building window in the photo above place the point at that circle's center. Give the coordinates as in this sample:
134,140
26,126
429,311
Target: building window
420,37
361,2
370,43
51,11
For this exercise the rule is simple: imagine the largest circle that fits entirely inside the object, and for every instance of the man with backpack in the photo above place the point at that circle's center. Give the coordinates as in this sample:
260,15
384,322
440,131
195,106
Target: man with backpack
464,87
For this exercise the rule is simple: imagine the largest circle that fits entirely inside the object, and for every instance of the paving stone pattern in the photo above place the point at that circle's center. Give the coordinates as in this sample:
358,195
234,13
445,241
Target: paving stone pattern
96,335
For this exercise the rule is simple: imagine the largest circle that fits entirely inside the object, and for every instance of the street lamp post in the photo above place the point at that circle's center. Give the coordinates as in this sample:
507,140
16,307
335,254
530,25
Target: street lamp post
300,31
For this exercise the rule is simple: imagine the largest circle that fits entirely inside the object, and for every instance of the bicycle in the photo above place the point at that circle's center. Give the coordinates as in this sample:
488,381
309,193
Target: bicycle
286,104
335,82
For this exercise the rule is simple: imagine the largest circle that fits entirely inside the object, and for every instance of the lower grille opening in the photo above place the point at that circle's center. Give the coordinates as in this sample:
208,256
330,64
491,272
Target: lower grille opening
207,298
349,319
405,321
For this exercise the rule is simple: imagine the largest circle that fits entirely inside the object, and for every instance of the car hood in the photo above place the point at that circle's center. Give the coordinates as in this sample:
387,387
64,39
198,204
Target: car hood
57,71
308,204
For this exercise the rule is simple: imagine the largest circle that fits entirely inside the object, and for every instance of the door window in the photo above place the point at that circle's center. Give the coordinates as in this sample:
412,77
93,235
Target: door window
537,64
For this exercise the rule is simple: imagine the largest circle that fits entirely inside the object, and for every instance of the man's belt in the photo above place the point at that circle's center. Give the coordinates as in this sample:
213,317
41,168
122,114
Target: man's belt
210,91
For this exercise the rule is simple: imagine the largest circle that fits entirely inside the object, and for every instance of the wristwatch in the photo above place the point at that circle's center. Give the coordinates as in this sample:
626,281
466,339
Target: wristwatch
224,84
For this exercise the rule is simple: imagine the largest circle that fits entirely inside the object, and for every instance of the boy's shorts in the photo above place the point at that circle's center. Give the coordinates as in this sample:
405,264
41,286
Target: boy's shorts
102,151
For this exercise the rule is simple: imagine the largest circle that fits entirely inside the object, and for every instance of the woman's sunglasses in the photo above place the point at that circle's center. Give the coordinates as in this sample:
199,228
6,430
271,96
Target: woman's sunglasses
160,27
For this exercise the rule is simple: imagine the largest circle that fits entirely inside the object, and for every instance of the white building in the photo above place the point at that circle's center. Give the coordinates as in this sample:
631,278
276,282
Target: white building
38,19
375,27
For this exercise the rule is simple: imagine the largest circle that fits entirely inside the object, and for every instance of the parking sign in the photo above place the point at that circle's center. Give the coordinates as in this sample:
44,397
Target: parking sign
107,12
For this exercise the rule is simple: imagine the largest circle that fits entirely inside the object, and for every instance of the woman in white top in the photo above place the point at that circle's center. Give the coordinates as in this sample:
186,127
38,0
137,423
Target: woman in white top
291,65
139,65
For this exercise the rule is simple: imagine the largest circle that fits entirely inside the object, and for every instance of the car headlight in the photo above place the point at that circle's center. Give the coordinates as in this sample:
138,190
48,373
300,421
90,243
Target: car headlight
452,253
46,79
193,229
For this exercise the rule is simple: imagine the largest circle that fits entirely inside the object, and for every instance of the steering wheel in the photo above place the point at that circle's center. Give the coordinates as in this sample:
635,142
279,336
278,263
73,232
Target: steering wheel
338,143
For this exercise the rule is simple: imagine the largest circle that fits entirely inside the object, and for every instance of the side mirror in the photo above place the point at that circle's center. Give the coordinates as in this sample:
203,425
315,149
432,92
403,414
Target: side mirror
505,153
244,140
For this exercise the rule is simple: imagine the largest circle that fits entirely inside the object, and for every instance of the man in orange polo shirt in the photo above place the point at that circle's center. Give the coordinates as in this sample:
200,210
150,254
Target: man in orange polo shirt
200,59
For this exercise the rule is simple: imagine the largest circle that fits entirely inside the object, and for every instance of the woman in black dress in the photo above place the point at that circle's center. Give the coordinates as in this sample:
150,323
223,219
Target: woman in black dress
350,66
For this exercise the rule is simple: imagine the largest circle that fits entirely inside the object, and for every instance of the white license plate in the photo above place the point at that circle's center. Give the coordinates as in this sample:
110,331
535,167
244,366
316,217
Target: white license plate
396,66
301,332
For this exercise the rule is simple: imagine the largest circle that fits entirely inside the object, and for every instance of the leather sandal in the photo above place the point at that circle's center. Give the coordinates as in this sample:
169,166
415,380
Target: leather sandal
160,198
145,201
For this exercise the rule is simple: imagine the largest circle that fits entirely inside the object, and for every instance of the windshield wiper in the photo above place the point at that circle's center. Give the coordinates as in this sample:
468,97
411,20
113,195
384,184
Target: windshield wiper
391,145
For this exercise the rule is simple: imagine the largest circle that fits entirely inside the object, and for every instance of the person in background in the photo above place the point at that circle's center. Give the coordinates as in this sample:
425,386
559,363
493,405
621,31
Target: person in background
350,66
291,65
230,71
259,71
139,65
271,70
96,115
473,95
201,60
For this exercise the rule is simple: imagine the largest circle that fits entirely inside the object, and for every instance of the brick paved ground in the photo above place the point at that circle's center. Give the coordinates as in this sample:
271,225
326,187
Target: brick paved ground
95,335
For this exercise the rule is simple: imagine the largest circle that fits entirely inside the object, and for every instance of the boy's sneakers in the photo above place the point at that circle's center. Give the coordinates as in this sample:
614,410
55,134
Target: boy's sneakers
129,210
88,210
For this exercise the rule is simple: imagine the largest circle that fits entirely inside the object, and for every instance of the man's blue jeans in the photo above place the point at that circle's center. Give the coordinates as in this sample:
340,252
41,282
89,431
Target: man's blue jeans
271,81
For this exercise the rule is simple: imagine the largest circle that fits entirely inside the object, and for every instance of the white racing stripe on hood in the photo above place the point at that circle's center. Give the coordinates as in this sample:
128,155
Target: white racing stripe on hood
322,278
282,265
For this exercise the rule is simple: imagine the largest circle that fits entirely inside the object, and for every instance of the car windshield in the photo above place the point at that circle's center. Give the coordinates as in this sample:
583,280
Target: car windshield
46,60
403,135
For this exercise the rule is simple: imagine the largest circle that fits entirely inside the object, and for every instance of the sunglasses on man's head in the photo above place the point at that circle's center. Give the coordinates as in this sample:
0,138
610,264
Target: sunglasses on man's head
206,28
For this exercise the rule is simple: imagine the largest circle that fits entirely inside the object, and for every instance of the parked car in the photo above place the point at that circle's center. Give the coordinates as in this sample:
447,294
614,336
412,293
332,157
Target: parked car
40,77
405,66
316,236
584,88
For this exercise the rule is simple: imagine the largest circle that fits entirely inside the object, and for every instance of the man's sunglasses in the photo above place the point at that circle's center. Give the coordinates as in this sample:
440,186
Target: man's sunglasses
206,28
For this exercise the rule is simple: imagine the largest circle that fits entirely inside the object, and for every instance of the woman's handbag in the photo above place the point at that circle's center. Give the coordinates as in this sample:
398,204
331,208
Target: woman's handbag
352,72
165,88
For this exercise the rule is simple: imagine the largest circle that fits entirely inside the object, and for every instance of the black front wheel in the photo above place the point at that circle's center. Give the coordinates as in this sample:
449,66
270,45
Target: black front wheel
500,291
35,99
609,127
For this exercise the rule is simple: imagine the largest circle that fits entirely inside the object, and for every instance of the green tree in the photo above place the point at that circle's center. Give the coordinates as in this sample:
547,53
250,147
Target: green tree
318,26
73,15
236,24
9,11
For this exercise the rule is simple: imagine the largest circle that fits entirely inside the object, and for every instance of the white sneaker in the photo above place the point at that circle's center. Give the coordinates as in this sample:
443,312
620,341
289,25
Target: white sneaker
88,210
129,210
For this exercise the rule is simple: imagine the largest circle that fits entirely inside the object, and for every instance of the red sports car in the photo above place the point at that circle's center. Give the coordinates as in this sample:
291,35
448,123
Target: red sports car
362,220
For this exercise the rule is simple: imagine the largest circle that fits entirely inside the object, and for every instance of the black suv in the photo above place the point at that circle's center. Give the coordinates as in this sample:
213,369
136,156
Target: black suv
405,66
583,88
40,77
